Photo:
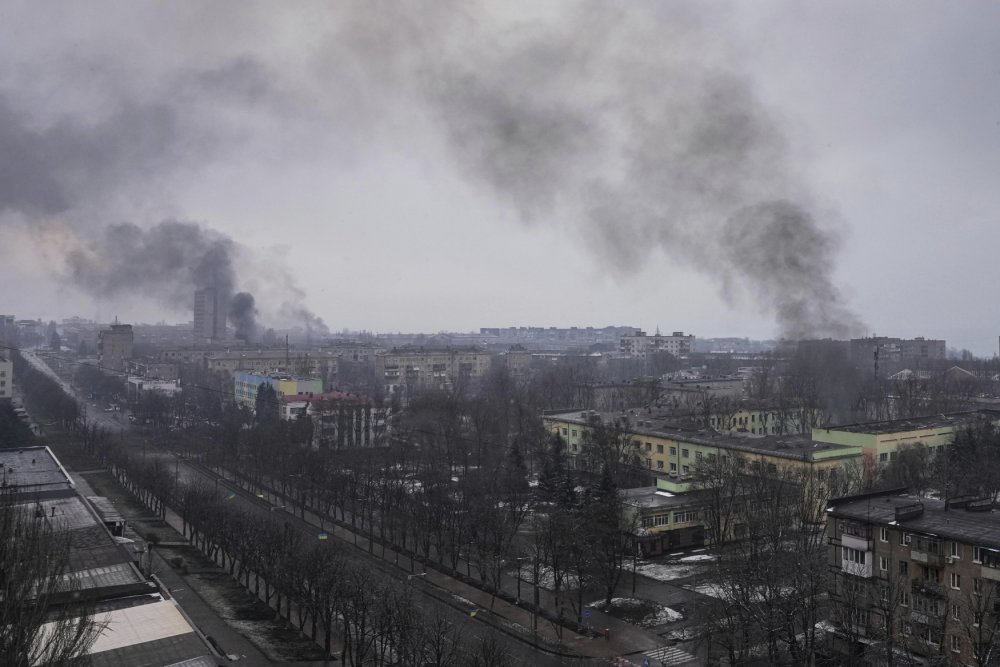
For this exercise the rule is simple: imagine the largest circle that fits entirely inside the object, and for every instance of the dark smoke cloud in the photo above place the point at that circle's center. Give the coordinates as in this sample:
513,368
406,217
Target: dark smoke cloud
66,175
636,126
630,123
777,249
243,316
167,261
55,169
699,168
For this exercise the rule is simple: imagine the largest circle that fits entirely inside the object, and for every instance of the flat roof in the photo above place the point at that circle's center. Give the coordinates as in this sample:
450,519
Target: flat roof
33,470
916,423
981,528
650,497
796,446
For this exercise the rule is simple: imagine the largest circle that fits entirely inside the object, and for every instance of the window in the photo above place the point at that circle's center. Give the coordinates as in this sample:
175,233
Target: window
904,567
697,456
854,555
647,522
883,563
904,539
956,612
977,585
883,534
564,430
649,463
904,598
956,644
661,519
931,575
673,451
673,467
659,465
649,447
574,433
685,453
956,580
956,550
573,447
686,469
659,449
883,457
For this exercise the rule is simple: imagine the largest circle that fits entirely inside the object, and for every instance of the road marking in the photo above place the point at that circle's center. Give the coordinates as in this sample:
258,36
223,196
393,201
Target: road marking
669,655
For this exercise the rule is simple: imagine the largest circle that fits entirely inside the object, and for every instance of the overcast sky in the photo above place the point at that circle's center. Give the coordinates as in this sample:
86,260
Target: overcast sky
445,166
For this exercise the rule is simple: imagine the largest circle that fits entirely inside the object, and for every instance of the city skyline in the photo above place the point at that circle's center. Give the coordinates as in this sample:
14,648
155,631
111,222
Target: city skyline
344,196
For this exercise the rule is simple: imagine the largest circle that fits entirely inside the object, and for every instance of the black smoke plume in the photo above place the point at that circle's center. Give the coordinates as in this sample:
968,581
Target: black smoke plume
243,316
167,261
632,122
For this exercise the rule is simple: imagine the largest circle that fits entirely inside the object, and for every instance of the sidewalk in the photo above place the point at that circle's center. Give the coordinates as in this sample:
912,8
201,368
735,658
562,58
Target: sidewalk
199,612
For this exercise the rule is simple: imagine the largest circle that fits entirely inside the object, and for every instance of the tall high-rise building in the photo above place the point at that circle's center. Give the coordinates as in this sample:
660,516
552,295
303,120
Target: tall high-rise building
114,347
210,310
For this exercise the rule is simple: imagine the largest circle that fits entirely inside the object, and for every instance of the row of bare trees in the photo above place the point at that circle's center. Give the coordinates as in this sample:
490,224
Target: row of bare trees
326,591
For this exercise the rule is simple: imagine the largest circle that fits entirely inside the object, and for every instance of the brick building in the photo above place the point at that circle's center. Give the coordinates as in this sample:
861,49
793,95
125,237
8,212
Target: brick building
916,577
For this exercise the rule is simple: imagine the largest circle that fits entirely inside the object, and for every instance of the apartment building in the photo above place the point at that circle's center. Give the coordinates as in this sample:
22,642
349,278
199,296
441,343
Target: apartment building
915,576
639,345
6,378
340,420
672,452
114,347
402,370
313,362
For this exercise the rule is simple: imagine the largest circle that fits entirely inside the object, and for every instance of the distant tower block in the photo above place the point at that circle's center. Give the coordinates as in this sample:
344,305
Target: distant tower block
210,309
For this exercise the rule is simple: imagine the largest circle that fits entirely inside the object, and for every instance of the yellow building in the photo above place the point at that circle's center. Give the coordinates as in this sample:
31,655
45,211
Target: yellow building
880,441
671,453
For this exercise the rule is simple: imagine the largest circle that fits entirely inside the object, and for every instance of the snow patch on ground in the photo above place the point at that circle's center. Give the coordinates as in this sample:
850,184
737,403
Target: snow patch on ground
641,613
712,590
666,571
698,558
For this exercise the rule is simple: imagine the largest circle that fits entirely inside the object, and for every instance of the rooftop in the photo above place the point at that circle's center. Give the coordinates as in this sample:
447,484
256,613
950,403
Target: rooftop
948,420
649,497
33,470
800,447
326,396
979,525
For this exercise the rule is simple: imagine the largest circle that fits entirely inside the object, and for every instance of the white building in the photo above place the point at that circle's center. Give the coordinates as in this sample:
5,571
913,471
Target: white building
640,345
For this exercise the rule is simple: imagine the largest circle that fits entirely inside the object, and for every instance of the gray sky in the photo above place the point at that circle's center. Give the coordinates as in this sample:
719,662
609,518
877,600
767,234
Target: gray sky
429,166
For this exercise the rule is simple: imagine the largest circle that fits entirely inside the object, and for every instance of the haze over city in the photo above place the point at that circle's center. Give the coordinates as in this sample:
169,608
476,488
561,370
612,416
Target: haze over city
401,168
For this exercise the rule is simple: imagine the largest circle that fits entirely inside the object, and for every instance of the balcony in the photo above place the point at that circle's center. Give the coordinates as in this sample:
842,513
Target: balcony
991,571
927,588
928,558
858,569
856,542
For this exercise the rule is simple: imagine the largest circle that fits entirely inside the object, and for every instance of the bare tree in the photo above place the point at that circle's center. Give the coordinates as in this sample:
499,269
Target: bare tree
37,625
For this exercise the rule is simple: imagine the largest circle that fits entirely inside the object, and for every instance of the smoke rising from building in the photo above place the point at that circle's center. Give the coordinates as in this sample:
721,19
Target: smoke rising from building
632,126
243,315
